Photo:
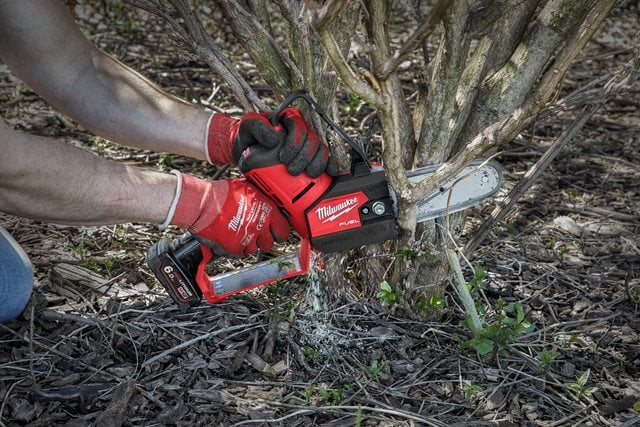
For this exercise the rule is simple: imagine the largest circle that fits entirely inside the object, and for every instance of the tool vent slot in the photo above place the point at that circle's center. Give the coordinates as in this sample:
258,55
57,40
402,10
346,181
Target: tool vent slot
260,184
304,191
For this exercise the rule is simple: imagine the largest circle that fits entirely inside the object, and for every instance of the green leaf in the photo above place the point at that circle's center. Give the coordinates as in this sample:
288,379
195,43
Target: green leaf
584,377
385,286
406,252
519,313
483,346
527,327
478,273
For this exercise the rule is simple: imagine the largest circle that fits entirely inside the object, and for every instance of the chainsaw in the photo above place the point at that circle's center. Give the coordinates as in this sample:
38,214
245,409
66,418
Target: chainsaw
330,214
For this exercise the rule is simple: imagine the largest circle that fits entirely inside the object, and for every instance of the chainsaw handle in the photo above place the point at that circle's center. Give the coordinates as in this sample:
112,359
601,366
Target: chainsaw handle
220,287
303,94
180,266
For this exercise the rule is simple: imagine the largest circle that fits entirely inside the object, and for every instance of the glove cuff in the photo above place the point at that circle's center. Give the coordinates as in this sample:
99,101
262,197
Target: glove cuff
221,130
197,202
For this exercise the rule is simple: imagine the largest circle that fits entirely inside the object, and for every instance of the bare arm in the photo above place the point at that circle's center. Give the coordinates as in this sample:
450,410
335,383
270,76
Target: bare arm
49,180
43,46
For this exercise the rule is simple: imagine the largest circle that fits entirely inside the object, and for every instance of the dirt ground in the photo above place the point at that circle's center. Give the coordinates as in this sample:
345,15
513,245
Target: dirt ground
101,344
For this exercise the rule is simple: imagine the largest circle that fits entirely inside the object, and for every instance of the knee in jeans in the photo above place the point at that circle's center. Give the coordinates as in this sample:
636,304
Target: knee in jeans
16,278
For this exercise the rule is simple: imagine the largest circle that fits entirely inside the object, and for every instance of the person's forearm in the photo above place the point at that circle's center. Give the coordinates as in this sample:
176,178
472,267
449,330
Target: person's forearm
43,46
128,109
48,180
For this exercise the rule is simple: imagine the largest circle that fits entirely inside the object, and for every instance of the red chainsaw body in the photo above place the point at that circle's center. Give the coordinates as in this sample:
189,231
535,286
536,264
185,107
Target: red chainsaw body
334,213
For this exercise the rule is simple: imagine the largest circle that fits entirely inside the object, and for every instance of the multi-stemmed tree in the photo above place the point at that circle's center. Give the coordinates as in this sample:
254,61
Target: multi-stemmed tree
448,81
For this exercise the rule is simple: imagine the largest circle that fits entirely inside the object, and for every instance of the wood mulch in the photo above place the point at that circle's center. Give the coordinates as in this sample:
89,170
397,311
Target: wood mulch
102,345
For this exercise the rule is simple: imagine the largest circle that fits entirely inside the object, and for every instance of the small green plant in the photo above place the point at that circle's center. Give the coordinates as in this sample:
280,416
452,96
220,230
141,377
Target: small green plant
79,249
545,357
579,388
359,416
495,338
165,159
120,234
355,104
112,266
406,252
511,229
561,252
85,259
322,394
387,295
479,276
129,25
309,391
115,6
282,265
435,302
282,309
310,352
331,395
377,369
572,194
471,391
636,406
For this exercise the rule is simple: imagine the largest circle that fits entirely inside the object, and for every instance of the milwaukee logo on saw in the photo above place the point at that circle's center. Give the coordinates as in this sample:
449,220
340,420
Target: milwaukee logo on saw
337,214
329,213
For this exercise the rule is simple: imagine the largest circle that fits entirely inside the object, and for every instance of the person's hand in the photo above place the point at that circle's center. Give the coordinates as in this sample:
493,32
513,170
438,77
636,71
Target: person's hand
302,150
298,145
230,216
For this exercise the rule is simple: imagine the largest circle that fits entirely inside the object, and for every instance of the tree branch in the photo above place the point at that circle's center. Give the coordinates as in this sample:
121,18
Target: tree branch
328,13
261,11
414,41
492,49
507,30
395,115
275,67
299,41
460,285
346,73
195,37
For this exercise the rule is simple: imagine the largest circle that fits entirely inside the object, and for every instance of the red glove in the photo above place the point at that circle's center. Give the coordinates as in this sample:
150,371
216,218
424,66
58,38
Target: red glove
300,148
230,216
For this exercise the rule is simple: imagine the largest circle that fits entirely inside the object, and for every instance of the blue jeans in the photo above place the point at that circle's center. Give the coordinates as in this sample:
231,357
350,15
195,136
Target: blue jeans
16,278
